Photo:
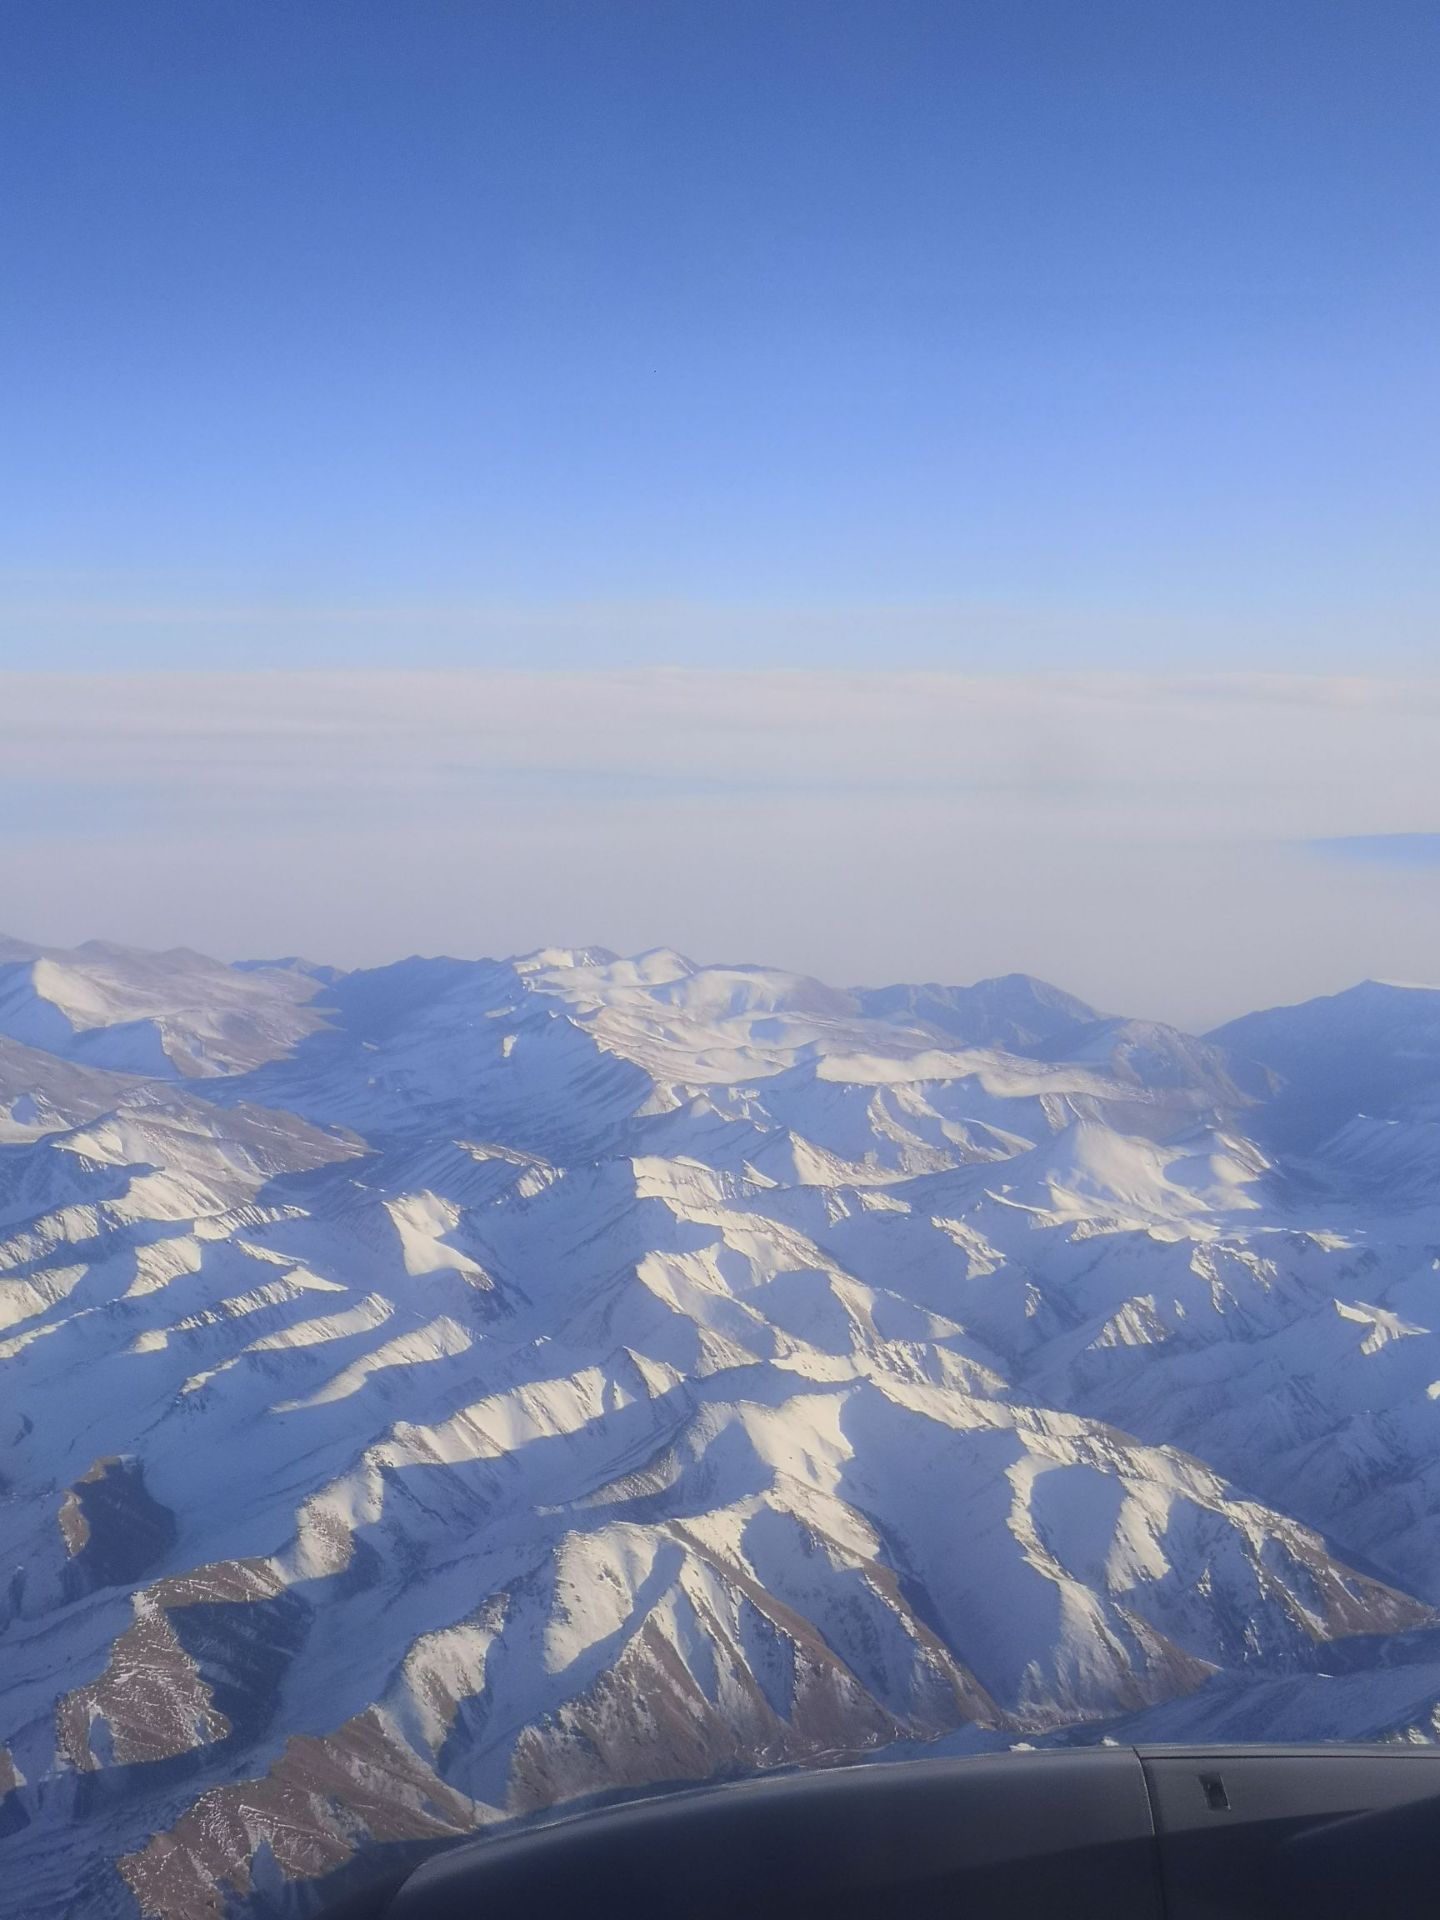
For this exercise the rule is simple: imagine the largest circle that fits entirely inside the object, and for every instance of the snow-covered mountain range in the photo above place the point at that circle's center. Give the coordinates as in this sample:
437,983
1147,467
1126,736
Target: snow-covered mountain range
433,1392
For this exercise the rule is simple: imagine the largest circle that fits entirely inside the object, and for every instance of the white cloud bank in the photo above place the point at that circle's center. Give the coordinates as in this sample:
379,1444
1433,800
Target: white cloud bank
1131,837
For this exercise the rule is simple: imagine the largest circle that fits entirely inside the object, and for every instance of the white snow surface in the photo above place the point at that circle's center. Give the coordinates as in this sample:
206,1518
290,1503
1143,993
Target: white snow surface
433,1392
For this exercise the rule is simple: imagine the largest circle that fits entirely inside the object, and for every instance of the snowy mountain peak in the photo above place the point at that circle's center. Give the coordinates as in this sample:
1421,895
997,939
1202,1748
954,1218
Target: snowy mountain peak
1014,1011
177,1013
554,959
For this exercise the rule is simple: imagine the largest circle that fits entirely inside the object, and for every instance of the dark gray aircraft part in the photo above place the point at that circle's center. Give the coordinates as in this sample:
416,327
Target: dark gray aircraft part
1116,1833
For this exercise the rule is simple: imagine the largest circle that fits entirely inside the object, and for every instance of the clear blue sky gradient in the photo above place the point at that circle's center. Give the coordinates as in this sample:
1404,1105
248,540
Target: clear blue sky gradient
317,313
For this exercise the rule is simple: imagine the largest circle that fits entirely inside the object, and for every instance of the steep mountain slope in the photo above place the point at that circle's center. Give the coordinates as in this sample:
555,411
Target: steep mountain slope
1373,1050
40,1094
485,1383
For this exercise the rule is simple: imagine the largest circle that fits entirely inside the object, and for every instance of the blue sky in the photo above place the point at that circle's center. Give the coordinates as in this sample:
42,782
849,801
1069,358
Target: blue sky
519,383
601,331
